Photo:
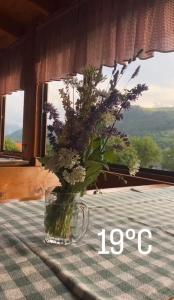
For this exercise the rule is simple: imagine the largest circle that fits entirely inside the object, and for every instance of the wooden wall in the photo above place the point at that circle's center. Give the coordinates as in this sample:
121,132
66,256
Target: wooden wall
25,182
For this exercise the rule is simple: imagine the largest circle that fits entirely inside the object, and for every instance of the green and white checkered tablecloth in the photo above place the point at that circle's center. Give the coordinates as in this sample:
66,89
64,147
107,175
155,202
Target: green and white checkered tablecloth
30,269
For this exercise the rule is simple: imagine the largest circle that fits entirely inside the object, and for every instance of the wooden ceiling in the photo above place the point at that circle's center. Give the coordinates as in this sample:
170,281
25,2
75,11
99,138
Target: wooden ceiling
17,17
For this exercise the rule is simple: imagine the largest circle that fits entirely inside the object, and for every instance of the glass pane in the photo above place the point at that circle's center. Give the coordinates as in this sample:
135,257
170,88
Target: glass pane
55,99
54,95
14,105
150,122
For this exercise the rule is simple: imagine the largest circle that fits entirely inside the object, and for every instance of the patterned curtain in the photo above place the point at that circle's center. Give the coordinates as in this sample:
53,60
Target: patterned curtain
95,32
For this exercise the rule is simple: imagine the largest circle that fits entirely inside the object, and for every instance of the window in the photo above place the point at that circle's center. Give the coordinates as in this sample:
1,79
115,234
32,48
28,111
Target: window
150,122
53,97
13,123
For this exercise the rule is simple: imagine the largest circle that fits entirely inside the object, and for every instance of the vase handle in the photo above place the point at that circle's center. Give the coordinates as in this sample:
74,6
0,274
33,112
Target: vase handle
84,211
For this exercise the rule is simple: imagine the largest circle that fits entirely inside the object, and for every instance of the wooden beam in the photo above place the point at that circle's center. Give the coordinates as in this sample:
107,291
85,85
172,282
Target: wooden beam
46,6
32,121
2,121
52,6
33,100
11,26
43,121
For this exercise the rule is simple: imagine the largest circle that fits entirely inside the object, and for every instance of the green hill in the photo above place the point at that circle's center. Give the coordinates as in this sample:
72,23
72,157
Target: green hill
156,122
16,136
138,121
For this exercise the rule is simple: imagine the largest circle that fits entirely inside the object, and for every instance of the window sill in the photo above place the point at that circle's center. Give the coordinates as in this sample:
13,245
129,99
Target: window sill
9,162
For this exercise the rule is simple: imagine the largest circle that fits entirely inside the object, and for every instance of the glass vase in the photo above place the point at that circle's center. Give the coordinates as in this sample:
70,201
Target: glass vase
66,218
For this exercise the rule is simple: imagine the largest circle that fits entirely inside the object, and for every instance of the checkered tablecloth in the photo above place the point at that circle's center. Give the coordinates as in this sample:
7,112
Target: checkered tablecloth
30,269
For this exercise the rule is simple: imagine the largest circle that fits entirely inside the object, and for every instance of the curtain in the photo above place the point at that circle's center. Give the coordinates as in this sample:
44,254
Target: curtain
95,32
15,65
11,63
99,32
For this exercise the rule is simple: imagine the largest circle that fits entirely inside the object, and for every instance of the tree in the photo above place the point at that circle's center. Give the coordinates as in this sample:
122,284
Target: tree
147,150
10,145
126,156
168,159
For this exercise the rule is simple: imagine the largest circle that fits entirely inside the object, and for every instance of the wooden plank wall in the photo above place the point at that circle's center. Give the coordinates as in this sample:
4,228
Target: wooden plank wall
25,183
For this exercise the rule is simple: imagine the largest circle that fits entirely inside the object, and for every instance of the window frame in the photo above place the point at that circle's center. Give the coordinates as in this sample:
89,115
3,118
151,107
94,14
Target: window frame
4,153
43,132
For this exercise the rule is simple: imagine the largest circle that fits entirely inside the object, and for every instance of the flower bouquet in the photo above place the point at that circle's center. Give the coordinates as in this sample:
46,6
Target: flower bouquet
82,147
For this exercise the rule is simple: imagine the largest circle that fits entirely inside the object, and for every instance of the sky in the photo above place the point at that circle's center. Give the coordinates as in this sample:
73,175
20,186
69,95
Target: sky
14,112
156,72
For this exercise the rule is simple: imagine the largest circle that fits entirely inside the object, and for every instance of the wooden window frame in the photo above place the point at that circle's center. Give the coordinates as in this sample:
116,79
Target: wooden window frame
43,135
34,125
2,121
4,153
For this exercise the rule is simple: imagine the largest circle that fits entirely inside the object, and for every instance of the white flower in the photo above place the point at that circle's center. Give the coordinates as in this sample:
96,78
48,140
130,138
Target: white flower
76,175
65,158
68,158
108,118
134,167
